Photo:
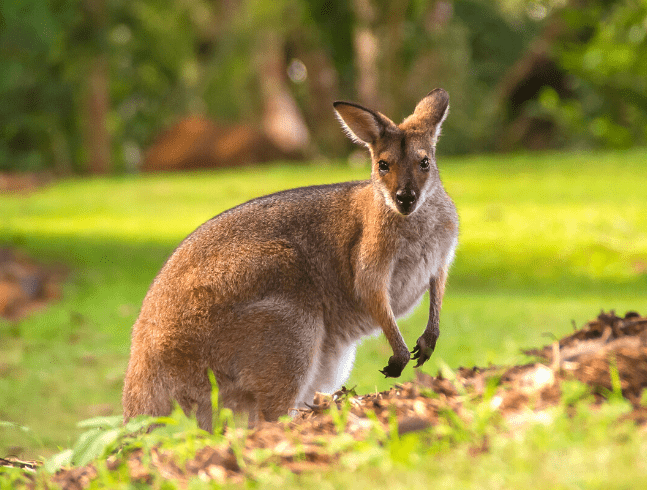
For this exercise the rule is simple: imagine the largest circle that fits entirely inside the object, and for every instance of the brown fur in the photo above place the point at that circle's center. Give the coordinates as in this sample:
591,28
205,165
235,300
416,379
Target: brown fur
274,294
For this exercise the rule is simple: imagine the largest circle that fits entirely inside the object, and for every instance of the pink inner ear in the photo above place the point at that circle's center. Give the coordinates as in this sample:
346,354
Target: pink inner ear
361,125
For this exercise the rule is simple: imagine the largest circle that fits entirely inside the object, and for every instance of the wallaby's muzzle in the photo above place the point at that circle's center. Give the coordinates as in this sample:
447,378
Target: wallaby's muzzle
405,200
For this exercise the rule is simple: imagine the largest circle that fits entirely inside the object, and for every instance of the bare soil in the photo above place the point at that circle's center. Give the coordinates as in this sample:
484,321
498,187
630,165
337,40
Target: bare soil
25,284
521,395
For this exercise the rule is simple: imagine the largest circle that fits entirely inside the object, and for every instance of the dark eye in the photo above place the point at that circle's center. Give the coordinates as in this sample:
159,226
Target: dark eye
383,166
424,163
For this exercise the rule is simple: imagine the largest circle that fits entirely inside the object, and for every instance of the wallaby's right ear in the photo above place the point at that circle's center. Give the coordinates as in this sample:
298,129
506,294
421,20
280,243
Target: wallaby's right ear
430,112
362,125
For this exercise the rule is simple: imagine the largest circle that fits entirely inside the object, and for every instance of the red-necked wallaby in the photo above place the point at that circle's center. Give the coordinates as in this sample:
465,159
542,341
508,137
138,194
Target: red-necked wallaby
273,295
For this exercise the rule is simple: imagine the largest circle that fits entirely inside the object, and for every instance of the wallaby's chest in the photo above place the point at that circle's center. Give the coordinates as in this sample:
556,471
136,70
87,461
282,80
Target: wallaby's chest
410,279
419,257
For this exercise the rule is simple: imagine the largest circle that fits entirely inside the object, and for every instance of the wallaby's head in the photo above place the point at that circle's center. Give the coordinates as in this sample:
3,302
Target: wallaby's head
403,156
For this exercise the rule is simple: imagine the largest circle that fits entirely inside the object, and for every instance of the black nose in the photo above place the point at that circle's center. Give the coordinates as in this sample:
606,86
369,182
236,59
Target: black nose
405,199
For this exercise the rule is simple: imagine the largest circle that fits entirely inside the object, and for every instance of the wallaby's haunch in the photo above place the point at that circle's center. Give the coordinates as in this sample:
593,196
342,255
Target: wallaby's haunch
273,295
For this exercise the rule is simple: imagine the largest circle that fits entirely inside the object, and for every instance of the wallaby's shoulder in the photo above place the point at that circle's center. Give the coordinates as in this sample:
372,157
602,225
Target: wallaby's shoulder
298,215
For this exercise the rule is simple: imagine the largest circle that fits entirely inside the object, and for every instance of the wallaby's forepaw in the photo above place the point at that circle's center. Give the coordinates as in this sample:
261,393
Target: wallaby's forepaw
421,352
394,368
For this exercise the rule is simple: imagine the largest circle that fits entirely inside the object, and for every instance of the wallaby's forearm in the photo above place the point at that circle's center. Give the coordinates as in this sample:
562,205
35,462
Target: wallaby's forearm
383,314
427,342
375,297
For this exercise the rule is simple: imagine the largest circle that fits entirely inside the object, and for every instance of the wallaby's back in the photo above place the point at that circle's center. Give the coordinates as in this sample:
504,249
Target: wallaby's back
273,294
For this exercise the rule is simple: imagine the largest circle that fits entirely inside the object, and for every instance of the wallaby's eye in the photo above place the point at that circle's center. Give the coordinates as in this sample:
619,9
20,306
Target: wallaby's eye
424,163
383,166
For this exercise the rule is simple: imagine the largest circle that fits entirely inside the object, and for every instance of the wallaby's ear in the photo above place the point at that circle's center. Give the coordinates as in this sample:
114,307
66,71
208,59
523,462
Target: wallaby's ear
430,113
362,125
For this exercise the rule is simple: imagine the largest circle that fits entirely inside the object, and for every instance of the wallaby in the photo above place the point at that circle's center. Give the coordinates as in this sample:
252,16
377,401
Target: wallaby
274,294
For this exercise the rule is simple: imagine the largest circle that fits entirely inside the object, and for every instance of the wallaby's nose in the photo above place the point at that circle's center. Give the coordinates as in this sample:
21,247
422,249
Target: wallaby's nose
405,199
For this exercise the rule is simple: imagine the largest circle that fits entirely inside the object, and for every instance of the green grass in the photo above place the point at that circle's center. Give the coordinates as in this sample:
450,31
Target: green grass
574,445
587,450
545,239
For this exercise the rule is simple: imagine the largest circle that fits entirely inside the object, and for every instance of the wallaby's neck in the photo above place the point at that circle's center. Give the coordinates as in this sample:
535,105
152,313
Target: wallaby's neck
381,226
376,211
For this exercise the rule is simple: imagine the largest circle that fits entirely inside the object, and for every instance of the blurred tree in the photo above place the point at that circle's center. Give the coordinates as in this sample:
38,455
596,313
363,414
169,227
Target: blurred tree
86,85
582,82
281,118
37,119
156,48
96,99
78,76
605,55
366,50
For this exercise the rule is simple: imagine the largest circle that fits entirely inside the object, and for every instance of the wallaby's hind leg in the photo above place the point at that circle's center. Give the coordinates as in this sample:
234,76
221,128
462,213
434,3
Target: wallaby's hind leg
278,366
157,375
192,390
190,394
239,401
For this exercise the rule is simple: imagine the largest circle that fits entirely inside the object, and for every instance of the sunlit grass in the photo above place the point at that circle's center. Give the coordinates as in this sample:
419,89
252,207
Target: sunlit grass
160,209
545,239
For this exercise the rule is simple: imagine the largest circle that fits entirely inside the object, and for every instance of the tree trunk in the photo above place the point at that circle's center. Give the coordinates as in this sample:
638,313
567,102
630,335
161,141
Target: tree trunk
367,48
97,139
392,63
96,103
282,121
378,41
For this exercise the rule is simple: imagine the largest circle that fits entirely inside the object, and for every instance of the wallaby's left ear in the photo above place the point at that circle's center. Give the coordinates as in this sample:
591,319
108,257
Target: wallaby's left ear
430,113
362,125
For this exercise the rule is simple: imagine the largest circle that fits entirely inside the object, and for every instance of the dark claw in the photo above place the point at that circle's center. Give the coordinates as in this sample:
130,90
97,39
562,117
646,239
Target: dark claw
421,352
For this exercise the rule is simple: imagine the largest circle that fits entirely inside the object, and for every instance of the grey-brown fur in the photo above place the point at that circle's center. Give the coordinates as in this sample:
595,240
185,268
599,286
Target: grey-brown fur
273,294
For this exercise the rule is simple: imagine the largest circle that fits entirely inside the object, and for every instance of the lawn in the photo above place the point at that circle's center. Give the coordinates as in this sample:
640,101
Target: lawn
545,239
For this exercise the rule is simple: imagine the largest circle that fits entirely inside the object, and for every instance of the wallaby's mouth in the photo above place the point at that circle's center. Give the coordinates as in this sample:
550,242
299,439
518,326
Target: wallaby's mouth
405,201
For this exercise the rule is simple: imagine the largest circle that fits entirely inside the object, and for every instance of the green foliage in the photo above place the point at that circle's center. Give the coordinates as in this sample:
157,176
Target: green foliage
47,49
156,70
606,60
12,478
574,392
167,59
37,117
102,436
575,445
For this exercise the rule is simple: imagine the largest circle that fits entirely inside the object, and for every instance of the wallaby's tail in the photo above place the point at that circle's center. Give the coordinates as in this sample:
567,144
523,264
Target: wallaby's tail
144,391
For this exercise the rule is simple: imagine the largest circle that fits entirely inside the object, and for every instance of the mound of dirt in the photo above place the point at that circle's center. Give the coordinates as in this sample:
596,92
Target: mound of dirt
605,345
196,142
23,183
26,285
609,344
